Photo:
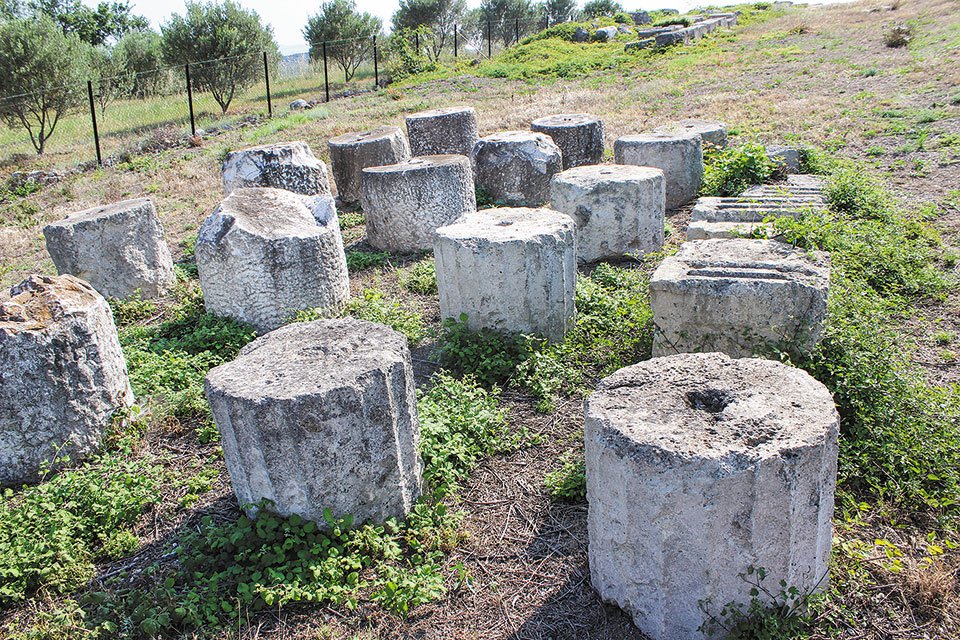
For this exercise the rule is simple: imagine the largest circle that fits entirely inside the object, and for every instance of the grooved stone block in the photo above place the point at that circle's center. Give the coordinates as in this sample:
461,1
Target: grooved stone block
754,208
265,254
443,131
321,415
699,467
579,136
679,156
405,203
117,248
515,167
787,157
285,165
511,270
702,230
62,374
739,297
711,132
619,209
351,153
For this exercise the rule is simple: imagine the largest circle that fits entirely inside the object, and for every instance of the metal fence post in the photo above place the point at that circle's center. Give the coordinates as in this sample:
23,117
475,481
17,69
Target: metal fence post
326,78
456,30
416,38
489,40
516,30
376,68
193,122
266,77
93,116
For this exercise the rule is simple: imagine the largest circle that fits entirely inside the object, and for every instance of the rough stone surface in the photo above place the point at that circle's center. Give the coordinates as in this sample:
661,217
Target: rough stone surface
515,167
640,17
285,165
117,248
699,467
578,135
62,374
351,153
619,209
265,254
405,203
321,415
680,156
510,270
702,230
606,34
788,157
739,297
711,132
755,208
443,131
581,35
299,105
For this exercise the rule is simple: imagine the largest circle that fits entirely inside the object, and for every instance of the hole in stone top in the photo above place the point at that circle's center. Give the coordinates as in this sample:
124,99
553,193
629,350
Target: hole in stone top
709,400
505,223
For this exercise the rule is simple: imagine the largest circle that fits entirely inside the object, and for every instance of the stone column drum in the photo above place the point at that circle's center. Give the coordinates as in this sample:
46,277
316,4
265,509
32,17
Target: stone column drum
351,153
265,254
117,248
515,167
619,209
321,415
62,374
711,132
699,467
285,165
443,131
405,203
510,270
680,156
579,136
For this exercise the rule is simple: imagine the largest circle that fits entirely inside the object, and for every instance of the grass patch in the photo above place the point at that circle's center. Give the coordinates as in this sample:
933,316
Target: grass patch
373,306
362,260
568,483
420,278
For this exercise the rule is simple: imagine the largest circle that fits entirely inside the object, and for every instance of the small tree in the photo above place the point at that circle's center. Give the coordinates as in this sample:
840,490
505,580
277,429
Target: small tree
142,56
96,26
504,15
598,8
440,16
555,11
43,75
225,40
348,32
111,78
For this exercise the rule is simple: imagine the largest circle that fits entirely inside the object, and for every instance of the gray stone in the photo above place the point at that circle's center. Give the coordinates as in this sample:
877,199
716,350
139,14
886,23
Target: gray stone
578,135
639,44
703,230
640,17
285,165
510,270
670,38
740,297
265,254
787,157
62,374
619,209
443,131
515,167
679,156
299,105
699,467
405,203
581,35
117,248
624,29
321,415
606,34
754,208
351,153
711,132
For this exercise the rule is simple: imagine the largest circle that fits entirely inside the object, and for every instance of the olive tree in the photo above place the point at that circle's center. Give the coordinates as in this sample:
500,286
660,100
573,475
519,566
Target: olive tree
142,56
440,16
598,8
109,72
347,32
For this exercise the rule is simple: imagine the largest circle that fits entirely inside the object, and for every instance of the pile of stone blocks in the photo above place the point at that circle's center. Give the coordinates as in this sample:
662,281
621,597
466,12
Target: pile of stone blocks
678,34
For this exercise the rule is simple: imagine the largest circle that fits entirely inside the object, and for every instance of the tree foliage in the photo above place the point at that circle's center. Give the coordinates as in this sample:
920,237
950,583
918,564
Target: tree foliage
347,32
142,55
597,8
106,22
555,11
440,16
108,70
503,16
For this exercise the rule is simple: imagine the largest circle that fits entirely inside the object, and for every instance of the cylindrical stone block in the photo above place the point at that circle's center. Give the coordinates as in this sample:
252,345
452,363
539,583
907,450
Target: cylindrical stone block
619,209
443,131
118,249
680,156
510,270
62,374
321,415
711,132
286,165
699,467
405,203
265,254
351,153
515,167
579,136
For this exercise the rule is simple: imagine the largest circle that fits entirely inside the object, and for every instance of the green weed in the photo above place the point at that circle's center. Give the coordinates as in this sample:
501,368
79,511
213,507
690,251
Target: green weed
363,260
420,278
569,482
729,172
373,306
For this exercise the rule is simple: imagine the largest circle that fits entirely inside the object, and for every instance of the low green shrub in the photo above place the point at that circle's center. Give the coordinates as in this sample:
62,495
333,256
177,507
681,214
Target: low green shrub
490,356
672,20
569,482
729,172
362,260
420,278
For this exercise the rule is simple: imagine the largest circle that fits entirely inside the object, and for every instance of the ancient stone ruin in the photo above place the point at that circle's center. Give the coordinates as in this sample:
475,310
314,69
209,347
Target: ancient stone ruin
443,131
678,155
510,270
351,153
678,34
321,415
788,158
265,254
578,135
287,165
515,167
62,374
117,248
698,468
712,133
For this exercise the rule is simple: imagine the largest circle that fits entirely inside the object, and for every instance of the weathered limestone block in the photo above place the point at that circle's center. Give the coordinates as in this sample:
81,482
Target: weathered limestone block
606,34
117,248
265,254
510,270
405,203
443,131
321,415
619,209
286,165
515,167
711,132
351,153
740,297
640,17
699,467
787,157
679,156
754,208
639,44
62,374
703,230
578,135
